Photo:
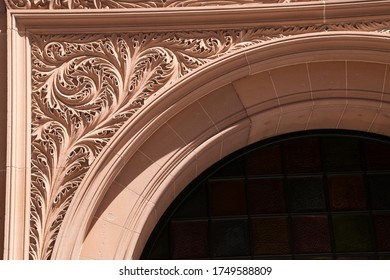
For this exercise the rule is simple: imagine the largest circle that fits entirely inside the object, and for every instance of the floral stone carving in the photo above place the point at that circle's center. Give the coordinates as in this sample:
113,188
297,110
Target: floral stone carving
85,87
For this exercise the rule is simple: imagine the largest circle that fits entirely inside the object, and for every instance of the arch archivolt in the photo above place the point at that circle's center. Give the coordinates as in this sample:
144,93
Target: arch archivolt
121,122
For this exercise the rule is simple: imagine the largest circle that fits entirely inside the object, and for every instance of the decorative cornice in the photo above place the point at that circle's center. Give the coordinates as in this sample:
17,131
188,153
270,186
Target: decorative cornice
121,4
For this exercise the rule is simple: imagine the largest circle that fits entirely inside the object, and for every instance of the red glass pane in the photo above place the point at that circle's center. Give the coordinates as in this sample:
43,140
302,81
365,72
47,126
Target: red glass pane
266,196
227,197
382,231
311,234
265,161
189,239
303,156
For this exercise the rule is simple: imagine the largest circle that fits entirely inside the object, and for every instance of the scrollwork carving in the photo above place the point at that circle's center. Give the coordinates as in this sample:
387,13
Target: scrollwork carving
85,87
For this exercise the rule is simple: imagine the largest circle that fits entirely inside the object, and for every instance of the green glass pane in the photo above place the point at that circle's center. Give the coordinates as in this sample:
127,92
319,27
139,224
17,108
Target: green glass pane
352,233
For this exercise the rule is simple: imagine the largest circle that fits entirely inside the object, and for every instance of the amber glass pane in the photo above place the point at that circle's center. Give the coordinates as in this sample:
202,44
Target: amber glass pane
270,236
382,231
303,155
227,197
341,154
347,192
306,194
265,161
189,239
380,191
266,196
352,233
230,238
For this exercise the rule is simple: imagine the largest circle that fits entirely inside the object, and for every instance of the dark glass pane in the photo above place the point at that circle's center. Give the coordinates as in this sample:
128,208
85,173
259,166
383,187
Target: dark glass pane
341,154
189,239
377,155
311,234
266,196
195,205
303,155
380,191
160,250
355,257
382,231
270,236
230,238
352,233
347,192
314,257
265,161
227,197
274,257
306,194
232,169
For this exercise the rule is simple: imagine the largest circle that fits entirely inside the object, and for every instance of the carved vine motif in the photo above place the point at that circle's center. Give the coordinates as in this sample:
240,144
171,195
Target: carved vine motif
120,4
84,87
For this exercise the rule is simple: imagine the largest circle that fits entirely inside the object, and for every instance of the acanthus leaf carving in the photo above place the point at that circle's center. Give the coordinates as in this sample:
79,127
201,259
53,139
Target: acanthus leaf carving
85,87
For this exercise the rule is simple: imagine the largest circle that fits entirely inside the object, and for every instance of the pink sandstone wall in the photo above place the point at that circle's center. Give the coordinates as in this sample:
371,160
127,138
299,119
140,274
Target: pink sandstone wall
3,117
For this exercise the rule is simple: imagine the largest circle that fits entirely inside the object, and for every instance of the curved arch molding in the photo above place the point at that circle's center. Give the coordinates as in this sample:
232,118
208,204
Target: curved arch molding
124,118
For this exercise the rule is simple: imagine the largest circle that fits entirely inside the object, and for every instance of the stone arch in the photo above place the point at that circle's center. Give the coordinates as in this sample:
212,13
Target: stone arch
303,82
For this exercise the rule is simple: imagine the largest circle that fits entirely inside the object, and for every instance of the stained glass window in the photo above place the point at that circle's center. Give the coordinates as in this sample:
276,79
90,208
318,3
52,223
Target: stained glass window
305,196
